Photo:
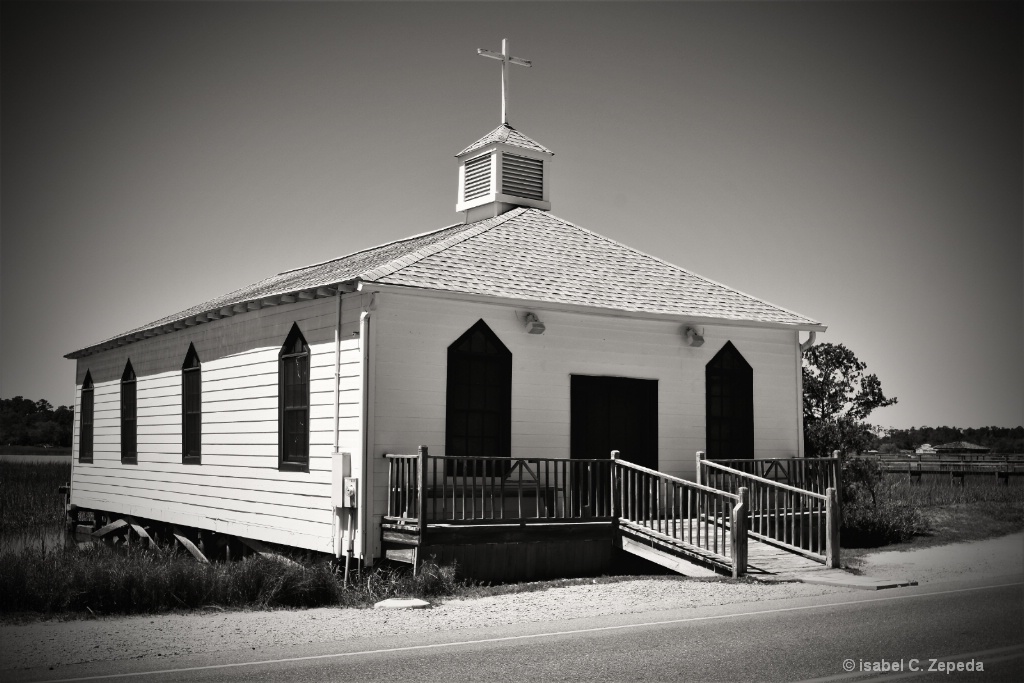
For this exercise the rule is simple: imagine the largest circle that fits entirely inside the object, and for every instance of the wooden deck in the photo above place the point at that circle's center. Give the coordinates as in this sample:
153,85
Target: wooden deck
575,517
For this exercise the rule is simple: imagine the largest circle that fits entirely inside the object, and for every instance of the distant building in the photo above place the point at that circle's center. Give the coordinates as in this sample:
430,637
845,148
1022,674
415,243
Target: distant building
924,449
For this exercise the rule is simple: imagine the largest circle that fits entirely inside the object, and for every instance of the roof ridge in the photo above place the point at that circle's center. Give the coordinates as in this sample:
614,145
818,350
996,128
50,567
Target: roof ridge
362,251
395,265
684,270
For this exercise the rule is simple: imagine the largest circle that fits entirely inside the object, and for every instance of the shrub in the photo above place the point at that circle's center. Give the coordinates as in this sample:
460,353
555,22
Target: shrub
871,515
866,525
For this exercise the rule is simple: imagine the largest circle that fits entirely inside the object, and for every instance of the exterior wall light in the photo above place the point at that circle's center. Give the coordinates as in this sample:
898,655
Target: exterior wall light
692,338
533,325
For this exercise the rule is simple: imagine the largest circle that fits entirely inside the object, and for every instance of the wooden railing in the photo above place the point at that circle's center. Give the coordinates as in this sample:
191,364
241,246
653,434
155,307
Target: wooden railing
954,470
799,520
708,521
811,474
424,489
466,490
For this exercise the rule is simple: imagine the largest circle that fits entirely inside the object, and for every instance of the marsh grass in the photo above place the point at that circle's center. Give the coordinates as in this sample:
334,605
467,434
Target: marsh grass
104,580
28,494
936,492
943,513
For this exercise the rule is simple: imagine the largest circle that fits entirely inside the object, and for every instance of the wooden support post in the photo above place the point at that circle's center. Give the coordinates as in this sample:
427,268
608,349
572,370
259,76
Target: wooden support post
421,499
614,491
832,529
738,525
113,526
137,528
701,455
189,546
266,552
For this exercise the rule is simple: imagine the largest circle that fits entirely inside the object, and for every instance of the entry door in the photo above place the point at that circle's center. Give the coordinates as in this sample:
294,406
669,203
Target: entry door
614,413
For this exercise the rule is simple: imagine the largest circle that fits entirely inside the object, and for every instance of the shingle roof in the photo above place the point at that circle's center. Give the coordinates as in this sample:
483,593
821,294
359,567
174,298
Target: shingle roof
510,136
535,255
522,254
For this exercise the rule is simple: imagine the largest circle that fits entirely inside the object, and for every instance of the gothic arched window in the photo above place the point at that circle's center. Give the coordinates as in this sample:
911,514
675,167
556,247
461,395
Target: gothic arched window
479,396
85,425
129,417
729,387
191,408
293,403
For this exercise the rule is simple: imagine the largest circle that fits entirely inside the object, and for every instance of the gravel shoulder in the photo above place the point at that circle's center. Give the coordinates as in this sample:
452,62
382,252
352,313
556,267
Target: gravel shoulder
53,643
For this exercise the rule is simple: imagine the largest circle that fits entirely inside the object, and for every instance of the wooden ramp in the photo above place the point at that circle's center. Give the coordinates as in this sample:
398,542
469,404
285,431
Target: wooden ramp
659,544
767,560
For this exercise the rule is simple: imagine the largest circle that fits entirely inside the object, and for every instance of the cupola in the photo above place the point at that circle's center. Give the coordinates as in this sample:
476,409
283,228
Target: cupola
500,171
503,169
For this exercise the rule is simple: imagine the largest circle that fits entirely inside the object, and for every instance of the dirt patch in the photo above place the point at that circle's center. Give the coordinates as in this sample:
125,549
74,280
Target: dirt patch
992,557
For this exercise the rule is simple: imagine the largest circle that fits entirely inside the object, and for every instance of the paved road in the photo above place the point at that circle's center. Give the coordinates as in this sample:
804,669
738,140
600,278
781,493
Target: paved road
791,640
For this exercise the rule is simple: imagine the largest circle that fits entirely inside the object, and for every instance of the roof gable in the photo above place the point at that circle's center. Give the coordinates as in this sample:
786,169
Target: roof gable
521,254
537,256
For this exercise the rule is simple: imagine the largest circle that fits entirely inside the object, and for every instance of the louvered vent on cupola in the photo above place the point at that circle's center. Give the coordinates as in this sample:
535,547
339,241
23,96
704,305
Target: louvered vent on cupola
522,176
478,177
500,171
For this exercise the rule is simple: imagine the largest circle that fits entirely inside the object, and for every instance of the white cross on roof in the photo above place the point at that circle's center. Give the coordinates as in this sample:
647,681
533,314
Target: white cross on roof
505,58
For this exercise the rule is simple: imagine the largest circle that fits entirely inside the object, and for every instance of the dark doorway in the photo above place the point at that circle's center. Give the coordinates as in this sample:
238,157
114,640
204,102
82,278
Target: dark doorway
729,389
479,398
614,413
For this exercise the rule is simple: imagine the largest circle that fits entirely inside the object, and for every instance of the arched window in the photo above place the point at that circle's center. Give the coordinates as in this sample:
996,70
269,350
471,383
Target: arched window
293,403
85,425
191,408
479,396
129,412
729,387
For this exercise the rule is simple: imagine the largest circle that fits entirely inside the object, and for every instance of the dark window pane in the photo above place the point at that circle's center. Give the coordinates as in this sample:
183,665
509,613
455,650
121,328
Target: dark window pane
192,418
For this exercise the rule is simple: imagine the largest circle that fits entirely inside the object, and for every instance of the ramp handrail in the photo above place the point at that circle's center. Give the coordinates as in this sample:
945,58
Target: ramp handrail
810,474
708,520
798,520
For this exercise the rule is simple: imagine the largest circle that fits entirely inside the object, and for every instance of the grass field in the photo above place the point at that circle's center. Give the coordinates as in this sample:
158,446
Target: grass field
28,495
59,580
35,450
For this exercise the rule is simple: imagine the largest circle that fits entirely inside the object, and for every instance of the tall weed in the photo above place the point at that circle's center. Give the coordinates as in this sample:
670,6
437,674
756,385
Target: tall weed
28,493
132,580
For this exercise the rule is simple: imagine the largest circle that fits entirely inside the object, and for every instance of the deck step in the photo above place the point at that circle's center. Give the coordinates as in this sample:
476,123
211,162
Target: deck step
407,555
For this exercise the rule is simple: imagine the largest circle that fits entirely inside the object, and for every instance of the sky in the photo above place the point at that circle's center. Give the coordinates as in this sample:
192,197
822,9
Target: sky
859,163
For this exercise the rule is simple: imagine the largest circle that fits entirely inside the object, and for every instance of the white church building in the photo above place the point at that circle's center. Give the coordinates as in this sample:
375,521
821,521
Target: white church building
510,333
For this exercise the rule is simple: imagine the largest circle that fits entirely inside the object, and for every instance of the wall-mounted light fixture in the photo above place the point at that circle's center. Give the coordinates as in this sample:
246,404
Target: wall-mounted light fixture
533,325
692,338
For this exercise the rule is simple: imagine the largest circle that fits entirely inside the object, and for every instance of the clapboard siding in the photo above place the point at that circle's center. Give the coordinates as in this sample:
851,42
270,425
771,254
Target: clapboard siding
237,488
412,334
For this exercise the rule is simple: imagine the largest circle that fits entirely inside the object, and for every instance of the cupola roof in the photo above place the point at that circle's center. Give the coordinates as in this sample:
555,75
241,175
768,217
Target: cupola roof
510,136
